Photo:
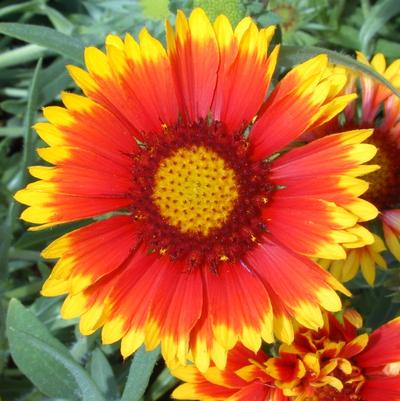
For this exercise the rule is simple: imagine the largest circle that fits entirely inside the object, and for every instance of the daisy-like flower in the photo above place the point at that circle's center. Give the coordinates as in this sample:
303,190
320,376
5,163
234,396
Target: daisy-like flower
380,109
332,364
215,223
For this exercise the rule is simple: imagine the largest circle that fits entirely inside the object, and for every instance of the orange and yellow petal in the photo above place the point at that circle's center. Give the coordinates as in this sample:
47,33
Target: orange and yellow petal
287,368
194,56
86,124
391,231
355,346
319,191
365,258
242,379
91,174
133,80
245,71
236,315
256,391
341,153
317,228
374,93
202,391
89,253
151,308
304,96
383,346
301,300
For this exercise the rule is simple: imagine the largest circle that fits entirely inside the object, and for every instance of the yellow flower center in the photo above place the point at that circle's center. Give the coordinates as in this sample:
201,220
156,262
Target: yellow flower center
195,190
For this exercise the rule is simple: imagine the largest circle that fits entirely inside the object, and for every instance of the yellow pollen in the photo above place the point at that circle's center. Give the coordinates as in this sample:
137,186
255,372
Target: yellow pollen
195,190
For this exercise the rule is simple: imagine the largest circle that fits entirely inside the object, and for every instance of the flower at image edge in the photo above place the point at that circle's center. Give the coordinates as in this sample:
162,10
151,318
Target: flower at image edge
380,110
332,364
212,241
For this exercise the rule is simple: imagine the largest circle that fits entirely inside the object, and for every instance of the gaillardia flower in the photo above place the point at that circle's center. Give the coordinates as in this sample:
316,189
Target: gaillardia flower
380,109
333,364
213,222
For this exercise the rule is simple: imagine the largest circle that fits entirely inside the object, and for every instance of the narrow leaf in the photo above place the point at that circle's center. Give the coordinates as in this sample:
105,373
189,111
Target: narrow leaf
103,375
21,55
139,374
44,360
7,227
47,37
164,383
377,18
11,132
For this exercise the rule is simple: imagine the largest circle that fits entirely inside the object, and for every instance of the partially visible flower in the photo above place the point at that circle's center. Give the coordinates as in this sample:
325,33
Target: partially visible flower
333,364
244,378
364,258
298,19
337,364
380,109
214,219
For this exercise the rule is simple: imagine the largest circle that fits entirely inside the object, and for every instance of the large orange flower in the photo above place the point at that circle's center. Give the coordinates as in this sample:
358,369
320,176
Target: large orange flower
215,226
379,109
333,364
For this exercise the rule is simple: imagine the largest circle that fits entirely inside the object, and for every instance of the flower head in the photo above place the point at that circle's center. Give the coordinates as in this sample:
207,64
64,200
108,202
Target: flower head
332,364
380,109
214,221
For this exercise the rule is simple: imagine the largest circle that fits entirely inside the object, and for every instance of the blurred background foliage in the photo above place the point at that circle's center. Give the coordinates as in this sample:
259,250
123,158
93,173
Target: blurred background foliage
50,360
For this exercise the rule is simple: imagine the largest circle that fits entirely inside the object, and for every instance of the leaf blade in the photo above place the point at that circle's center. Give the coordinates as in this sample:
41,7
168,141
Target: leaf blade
139,374
376,19
39,356
49,38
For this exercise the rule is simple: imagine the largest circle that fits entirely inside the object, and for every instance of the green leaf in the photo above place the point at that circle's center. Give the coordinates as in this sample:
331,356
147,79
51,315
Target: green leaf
11,132
102,373
8,225
38,239
46,37
164,383
55,78
24,291
44,360
14,388
17,8
292,55
345,37
377,18
15,107
20,55
31,109
139,374
61,23
388,48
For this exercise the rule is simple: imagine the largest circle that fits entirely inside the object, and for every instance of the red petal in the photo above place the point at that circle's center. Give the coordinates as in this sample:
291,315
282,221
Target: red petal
381,389
301,286
194,56
235,314
383,346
